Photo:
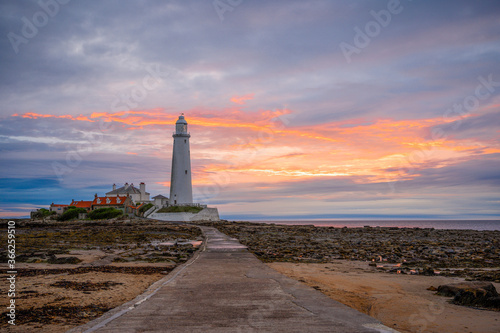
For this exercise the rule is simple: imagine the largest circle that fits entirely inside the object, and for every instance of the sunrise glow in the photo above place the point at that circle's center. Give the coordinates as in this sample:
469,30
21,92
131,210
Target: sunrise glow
284,120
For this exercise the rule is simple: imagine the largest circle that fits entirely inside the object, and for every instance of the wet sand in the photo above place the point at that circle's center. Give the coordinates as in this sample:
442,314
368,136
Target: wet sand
398,301
58,302
69,273
384,271
117,260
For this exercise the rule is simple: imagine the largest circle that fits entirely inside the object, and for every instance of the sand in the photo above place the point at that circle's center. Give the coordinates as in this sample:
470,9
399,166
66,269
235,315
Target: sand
398,301
111,262
109,290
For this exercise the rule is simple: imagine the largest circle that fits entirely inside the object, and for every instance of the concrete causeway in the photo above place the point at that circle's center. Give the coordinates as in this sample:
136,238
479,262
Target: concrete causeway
224,288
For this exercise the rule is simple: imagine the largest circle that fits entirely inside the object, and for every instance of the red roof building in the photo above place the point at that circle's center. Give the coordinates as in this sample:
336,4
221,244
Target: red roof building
82,204
115,202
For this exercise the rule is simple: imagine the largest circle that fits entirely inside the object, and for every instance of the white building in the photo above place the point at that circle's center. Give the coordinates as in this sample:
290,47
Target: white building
181,191
136,194
160,200
59,209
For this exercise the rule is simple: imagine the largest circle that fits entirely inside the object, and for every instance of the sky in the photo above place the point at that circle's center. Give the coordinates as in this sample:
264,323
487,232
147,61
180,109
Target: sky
296,109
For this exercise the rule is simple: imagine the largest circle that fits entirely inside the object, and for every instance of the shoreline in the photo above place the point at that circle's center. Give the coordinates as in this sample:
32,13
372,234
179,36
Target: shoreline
470,254
440,224
88,267
477,225
384,272
402,302
69,273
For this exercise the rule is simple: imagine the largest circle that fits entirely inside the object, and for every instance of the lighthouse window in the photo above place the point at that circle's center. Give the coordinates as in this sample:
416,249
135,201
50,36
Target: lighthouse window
186,172
185,140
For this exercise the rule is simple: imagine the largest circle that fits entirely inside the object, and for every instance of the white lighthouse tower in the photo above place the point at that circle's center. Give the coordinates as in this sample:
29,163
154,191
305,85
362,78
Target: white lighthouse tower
181,191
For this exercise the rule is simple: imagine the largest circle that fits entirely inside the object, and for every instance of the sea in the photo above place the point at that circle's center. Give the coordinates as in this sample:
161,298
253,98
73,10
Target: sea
436,224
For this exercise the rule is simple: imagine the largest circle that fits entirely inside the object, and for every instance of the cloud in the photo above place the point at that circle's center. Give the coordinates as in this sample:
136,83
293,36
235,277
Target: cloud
100,85
476,127
241,99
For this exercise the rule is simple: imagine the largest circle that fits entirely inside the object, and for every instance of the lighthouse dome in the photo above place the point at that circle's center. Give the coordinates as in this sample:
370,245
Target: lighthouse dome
181,126
181,120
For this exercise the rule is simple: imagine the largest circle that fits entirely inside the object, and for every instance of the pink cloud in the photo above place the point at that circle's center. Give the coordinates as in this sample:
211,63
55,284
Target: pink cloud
241,99
254,147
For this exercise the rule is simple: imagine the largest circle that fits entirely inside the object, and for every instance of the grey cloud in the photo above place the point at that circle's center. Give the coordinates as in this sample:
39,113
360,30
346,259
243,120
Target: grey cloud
473,127
287,53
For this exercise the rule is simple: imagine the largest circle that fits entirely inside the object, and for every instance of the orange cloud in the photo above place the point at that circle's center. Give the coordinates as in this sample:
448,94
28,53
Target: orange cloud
257,147
33,115
241,99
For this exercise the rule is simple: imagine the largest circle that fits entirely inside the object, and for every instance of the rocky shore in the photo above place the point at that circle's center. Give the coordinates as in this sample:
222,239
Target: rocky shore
71,272
474,255
391,274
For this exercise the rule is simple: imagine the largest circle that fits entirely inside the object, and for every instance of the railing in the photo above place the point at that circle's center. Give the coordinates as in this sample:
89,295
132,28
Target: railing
150,211
181,135
191,204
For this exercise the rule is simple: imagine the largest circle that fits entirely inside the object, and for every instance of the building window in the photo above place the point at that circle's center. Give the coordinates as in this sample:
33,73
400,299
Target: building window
185,141
186,172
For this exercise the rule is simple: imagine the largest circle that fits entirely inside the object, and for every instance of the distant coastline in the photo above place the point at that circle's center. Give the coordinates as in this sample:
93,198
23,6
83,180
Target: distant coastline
359,223
436,224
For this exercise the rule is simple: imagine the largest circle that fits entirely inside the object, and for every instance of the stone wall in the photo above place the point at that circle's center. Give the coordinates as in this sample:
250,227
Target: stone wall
207,214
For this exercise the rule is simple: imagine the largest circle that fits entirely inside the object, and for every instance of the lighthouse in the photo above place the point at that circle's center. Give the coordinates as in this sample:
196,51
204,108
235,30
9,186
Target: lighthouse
181,191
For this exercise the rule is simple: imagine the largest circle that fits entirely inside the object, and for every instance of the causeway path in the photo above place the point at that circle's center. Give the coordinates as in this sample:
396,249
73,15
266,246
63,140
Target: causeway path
225,288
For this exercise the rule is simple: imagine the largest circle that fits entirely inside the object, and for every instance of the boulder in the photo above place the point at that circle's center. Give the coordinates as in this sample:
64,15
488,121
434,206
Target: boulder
480,294
477,297
452,289
63,260
428,271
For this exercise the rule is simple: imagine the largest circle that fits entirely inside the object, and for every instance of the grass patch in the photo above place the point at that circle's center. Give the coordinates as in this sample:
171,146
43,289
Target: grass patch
40,240
180,209
72,213
104,213
145,208
54,314
85,286
42,213
64,260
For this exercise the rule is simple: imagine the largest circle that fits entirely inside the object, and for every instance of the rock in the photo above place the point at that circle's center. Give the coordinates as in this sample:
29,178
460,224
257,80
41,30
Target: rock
477,297
480,294
450,290
432,249
64,260
428,271
432,288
